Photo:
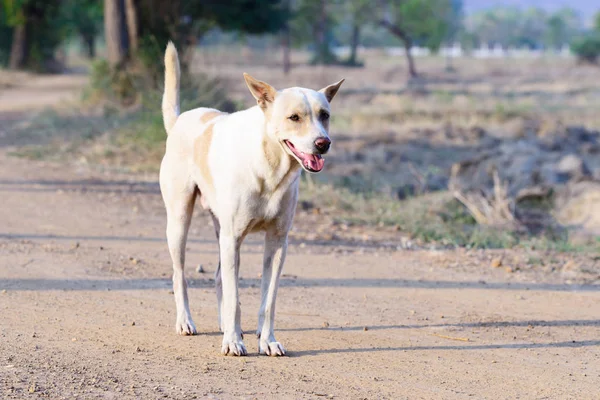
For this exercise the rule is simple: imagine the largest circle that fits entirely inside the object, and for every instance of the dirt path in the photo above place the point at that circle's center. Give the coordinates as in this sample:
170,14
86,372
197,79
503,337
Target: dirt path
86,310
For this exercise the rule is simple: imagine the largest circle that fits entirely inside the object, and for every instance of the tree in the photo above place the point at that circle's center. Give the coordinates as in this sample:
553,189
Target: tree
286,39
35,33
115,32
587,49
312,22
532,28
417,21
495,26
83,18
360,13
143,27
455,24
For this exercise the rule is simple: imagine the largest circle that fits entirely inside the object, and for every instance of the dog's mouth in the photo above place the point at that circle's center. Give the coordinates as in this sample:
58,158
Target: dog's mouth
310,162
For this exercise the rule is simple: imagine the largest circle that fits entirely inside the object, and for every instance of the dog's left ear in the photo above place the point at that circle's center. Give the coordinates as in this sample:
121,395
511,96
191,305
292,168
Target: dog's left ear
331,90
262,91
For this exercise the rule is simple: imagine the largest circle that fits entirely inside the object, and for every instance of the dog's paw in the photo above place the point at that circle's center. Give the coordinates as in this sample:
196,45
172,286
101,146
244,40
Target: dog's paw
185,326
274,349
233,348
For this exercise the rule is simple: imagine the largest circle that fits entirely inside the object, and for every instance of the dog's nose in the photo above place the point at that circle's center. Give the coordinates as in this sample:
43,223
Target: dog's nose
322,144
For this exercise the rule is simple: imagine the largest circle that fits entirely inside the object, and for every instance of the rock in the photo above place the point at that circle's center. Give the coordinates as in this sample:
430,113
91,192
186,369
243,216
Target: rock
496,263
200,269
578,205
515,128
306,205
572,167
435,183
406,191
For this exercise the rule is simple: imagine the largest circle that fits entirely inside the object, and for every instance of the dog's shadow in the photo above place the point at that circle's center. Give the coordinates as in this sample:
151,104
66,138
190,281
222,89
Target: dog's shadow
249,335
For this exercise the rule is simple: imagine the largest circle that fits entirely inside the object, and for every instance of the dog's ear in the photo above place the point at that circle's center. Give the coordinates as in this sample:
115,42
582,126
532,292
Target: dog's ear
331,90
262,91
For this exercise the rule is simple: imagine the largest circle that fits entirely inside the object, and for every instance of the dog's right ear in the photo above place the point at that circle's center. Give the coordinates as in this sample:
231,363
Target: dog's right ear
262,91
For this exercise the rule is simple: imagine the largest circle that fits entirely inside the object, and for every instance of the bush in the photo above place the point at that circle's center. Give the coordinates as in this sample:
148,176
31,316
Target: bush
130,97
587,49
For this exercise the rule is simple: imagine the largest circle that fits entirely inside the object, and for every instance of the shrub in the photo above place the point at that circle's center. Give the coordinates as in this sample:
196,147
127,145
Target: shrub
587,49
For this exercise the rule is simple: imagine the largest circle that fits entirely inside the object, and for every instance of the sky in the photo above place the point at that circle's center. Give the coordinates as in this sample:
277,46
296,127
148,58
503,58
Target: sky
587,8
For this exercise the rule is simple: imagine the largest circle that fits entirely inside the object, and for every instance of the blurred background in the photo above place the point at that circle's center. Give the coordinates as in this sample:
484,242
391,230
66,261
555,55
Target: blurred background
461,123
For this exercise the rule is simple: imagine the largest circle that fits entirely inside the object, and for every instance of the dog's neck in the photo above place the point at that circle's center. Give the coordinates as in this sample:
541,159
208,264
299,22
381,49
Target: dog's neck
276,167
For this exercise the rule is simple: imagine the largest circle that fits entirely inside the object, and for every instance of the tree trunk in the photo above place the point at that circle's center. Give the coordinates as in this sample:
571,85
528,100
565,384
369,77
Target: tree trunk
285,44
90,45
115,31
321,27
286,41
18,51
412,71
449,64
407,41
354,44
323,53
132,24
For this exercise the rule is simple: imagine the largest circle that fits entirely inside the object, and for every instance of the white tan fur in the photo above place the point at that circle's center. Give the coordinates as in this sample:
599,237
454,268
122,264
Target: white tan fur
245,167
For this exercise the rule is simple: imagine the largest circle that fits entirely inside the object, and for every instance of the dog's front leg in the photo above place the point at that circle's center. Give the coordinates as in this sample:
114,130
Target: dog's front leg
231,313
275,250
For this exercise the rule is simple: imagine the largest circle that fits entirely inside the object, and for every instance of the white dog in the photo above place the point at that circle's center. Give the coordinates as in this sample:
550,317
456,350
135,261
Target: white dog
245,167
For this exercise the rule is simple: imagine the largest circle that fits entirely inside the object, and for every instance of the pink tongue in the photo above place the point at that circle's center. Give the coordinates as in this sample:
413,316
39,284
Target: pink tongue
314,162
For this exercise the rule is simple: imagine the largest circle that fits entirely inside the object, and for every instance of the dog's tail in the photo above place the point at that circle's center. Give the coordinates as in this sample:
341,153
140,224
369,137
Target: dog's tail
170,101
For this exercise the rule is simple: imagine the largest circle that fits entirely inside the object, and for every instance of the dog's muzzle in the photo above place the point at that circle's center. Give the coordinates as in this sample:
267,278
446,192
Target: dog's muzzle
322,145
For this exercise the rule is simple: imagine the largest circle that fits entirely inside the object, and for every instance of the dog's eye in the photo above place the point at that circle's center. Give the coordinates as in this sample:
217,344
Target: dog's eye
324,115
294,117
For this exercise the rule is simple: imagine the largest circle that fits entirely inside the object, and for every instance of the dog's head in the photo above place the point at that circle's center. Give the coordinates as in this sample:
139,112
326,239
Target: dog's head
298,119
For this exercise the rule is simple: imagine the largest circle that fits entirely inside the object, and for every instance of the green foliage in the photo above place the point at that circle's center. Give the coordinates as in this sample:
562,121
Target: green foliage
587,49
5,35
44,30
184,21
12,12
82,17
426,22
312,22
360,11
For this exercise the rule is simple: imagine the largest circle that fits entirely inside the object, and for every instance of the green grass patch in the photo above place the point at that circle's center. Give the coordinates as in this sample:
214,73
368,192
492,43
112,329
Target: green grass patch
435,218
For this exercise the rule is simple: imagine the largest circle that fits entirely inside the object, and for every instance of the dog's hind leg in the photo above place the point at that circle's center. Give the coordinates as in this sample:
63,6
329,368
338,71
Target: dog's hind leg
179,201
275,250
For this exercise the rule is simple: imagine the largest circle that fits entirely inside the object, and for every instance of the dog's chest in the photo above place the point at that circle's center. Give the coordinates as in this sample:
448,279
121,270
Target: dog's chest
268,204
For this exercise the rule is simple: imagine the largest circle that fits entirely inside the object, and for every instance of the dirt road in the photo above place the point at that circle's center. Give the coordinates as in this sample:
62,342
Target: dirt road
86,310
